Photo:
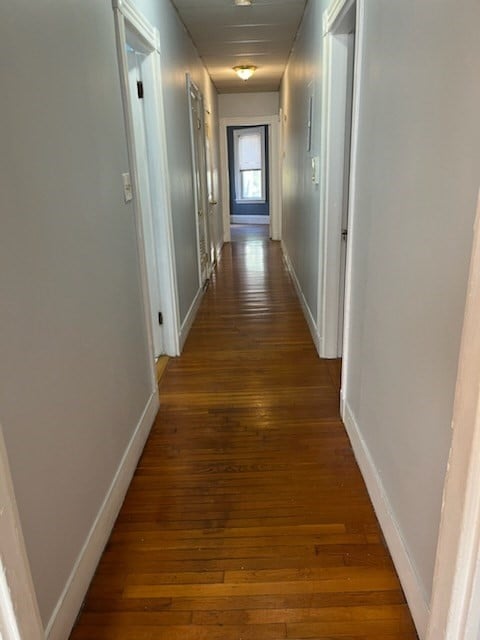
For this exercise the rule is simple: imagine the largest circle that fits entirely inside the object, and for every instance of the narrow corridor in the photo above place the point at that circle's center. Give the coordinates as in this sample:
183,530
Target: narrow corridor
247,518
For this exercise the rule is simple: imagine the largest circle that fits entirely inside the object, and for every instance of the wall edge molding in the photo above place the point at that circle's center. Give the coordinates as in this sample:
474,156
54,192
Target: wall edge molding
190,317
411,584
303,302
68,606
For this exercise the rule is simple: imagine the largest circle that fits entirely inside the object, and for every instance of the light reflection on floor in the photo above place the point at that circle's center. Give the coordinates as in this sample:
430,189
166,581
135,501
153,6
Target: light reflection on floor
250,241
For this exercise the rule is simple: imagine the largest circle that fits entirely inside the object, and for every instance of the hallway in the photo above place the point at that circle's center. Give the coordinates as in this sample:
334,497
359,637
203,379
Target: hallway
247,518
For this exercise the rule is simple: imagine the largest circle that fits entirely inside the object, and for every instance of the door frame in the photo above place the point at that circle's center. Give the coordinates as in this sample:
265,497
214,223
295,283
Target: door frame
142,112
202,171
333,274
273,124
214,249
19,613
455,604
337,9
127,17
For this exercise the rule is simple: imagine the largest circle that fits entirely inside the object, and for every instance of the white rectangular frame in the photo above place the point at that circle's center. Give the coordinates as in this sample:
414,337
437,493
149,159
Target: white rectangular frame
127,16
332,164
238,187
273,123
201,208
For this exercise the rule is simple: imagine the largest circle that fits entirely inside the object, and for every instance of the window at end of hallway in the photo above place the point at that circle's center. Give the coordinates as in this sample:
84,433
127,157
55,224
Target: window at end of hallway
250,165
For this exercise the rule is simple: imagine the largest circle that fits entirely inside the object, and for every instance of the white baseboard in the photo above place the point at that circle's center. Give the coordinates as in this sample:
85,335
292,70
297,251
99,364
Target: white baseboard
189,318
70,602
416,597
305,308
218,251
250,219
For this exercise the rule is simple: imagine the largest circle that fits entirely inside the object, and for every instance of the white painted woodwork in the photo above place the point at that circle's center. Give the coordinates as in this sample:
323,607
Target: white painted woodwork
136,60
73,594
274,169
199,177
178,57
138,46
338,63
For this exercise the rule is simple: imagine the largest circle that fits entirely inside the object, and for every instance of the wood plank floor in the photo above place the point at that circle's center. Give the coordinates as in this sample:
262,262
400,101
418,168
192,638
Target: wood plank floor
247,518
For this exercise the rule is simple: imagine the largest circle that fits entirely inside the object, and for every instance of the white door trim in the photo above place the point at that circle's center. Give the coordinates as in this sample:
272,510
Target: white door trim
332,166
201,202
455,610
274,160
335,13
19,614
127,16
352,218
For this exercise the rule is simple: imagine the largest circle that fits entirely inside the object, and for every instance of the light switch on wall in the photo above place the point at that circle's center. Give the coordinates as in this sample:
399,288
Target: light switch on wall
127,187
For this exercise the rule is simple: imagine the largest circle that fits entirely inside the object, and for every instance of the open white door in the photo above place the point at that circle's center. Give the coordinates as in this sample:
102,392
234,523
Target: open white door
138,47
136,60
337,113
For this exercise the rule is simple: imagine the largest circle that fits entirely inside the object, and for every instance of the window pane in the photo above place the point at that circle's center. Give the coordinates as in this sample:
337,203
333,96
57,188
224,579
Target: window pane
250,151
251,185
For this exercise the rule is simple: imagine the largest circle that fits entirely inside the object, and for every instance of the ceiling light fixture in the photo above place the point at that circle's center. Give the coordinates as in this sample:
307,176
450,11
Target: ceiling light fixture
243,3
245,71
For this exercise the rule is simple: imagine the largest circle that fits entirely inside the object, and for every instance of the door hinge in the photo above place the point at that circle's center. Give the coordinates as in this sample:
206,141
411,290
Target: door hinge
344,234
140,89
160,318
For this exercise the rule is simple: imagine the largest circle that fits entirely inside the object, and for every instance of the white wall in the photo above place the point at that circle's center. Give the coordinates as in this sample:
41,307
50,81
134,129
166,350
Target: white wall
419,173
74,370
301,198
418,177
179,56
246,105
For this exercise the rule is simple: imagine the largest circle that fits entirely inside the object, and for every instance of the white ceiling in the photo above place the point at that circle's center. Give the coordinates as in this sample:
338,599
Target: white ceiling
226,35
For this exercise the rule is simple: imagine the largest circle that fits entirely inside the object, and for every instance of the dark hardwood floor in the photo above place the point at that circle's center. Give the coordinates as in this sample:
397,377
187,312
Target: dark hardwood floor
247,518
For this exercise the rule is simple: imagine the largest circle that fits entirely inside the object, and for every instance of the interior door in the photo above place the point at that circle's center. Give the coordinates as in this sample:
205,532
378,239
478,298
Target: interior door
138,96
212,200
197,124
350,42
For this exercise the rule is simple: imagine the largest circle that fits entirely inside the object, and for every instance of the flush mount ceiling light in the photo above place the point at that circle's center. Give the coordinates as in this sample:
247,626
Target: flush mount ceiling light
245,71
243,3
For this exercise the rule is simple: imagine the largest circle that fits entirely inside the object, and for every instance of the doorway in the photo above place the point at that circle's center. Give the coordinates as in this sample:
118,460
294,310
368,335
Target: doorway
199,166
337,113
249,175
271,127
140,72
137,63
